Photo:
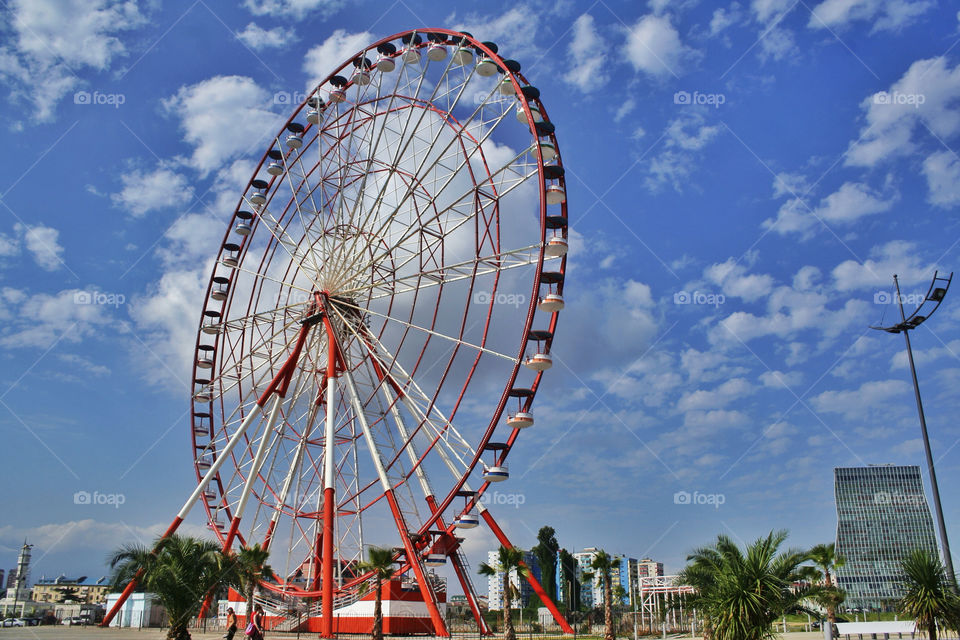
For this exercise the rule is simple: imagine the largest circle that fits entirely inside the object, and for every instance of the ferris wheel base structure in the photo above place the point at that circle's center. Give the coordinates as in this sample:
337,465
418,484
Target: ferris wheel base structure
379,317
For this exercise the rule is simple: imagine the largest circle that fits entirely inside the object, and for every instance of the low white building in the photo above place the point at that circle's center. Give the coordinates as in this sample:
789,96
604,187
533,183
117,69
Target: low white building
140,610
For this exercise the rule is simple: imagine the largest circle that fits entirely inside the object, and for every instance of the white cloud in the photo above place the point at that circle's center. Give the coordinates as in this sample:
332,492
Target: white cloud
889,15
724,18
852,201
871,399
942,170
777,44
684,135
43,244
40,319
89,535
258,38
732,277
716,398
588,60
653,46
323,59
297,9
877,271
223,117
927,93
50,41
781,379
766,11
513,30
145,192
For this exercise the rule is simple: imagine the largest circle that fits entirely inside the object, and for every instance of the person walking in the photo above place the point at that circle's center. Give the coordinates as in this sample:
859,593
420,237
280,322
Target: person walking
231,624
256,633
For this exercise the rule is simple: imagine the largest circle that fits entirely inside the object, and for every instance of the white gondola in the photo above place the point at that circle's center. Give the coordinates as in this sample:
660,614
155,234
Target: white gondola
486,67
209,494
243,228
274,168
203,464
211,327
506,87
551,302
219,292
337,95
436,52
205,362
258,197
520,420
467,521
230,260
435,560
313,116
496,473
201,430
522,115
386,64
556,247
548,150
203,396
555,194
361,77
539,362
463,56
411,56
294,141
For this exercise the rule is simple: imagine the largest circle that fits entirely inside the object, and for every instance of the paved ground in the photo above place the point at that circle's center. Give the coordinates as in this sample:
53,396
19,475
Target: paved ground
95,633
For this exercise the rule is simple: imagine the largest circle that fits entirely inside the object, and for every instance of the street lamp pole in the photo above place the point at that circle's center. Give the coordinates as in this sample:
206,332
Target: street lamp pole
934,488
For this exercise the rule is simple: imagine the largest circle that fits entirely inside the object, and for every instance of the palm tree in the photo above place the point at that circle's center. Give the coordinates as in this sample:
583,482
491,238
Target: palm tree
246,569
928,598
826,558
603,564
509,559
700,573
380,562
744,592
180,570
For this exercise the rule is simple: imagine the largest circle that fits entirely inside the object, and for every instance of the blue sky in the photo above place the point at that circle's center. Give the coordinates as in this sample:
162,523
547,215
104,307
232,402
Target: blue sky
743,180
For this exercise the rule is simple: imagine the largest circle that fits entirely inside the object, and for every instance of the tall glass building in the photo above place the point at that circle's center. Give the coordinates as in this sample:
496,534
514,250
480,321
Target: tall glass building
882,515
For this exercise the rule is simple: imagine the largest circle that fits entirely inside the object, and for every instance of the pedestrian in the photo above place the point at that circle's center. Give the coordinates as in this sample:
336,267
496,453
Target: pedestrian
231,624
255,628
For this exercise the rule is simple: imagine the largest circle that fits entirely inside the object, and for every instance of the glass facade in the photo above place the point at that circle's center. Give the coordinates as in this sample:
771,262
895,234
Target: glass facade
882,515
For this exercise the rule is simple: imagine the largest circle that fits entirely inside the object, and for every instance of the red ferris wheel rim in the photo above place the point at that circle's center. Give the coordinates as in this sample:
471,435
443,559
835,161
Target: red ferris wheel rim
204,414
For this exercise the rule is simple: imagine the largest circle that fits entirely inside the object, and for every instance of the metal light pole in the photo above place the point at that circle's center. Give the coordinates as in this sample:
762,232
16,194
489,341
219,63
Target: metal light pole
935,296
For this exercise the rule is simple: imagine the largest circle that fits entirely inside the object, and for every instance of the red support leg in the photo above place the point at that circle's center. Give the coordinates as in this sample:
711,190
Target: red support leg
502,537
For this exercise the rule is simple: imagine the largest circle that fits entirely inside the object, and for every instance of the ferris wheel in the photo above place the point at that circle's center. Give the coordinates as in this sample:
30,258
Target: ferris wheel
379,318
